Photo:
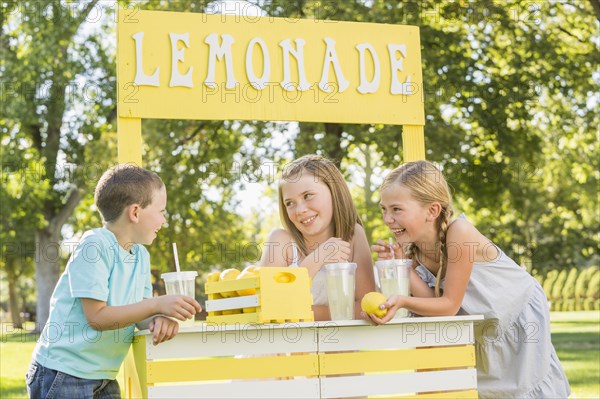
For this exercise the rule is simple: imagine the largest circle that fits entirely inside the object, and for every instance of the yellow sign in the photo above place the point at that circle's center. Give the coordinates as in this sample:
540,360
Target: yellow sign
197,66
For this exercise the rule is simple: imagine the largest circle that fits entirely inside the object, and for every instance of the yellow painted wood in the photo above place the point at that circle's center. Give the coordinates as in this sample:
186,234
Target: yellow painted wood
243,101
413,142
134,368
274,286
396,360
467,394
129,137
231,368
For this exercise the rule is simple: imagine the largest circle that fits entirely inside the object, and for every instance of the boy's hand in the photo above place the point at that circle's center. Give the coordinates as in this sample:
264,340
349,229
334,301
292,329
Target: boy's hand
180,307
163,329
384,250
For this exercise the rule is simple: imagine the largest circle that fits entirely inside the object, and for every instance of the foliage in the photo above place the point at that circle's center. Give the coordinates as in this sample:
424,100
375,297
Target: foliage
572,290
510,94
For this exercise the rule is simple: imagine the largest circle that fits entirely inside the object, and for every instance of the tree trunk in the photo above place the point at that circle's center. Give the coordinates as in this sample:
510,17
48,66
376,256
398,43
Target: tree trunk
333,142
47,267
13,298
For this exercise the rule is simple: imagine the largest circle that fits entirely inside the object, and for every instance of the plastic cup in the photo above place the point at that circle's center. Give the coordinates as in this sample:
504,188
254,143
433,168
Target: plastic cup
340,290
393,278
182,283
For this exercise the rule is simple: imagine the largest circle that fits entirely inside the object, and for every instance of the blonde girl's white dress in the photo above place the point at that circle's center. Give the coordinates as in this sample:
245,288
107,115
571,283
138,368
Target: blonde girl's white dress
515,356
318,288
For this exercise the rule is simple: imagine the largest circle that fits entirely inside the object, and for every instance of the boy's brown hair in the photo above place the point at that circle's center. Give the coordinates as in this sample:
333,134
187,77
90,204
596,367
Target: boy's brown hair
124,185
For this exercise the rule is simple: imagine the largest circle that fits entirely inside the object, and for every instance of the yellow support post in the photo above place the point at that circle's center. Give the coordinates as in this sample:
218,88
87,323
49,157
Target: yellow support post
413,142
129,137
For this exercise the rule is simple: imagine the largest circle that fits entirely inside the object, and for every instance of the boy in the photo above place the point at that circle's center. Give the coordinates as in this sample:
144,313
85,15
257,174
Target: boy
103,291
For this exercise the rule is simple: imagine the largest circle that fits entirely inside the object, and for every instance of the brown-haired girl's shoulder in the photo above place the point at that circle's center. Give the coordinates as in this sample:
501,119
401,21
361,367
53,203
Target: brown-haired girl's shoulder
280,235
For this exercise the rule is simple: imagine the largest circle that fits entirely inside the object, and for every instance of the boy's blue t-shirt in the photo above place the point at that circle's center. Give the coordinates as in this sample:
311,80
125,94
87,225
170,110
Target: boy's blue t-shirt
101,269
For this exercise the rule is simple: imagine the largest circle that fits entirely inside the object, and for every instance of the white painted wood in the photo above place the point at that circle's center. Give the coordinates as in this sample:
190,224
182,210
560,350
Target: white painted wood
248,301
297,388
398,383
395,336
244,340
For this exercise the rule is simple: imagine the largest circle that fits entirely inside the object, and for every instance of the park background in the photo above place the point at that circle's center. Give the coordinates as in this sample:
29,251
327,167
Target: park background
511,100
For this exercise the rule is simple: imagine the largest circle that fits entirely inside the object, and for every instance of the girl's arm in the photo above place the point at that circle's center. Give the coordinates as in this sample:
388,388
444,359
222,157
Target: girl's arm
365,280
418,287
321,312
276,249
460,240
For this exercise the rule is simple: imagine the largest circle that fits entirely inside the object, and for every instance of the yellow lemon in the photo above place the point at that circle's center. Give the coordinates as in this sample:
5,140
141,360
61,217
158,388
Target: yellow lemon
247,274
232,311
249,310
229,274
252,269
284,277
213,277
370,304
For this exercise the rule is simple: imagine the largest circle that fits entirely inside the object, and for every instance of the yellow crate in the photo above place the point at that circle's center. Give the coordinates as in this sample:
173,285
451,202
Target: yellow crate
282,294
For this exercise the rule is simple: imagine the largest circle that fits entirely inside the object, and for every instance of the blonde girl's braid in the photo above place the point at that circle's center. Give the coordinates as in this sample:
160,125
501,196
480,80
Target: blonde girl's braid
443,223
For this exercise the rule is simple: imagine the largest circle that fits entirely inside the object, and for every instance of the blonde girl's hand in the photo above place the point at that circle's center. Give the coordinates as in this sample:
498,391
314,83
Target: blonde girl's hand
393,303
384,250
163,329
334,250
180,307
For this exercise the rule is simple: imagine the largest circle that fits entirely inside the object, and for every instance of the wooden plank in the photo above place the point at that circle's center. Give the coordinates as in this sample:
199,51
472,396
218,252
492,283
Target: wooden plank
413,142
231,303
247,339
129,140
270,389
232,368
398,383
395,336
396,360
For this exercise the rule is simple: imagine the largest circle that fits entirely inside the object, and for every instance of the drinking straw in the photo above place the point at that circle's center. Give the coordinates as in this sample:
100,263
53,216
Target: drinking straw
178,269
392,248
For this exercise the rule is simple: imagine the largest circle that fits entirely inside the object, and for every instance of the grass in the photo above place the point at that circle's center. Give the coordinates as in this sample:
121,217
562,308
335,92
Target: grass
576,337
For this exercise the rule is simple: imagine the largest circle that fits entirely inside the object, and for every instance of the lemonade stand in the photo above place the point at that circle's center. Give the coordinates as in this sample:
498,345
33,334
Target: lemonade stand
264,343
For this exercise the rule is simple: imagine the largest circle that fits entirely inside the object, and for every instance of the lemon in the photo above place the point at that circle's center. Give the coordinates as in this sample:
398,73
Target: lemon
370,304
213,277
252,269
247,274
227,275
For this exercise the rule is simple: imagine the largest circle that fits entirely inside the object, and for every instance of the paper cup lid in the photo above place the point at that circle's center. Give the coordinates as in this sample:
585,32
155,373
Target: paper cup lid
393,262
340,266
174,276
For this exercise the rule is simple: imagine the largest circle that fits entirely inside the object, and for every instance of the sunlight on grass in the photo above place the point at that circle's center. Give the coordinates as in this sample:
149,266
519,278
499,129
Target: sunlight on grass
576,336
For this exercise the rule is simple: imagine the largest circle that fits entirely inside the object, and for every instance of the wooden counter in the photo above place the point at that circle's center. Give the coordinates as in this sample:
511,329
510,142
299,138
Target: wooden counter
408,356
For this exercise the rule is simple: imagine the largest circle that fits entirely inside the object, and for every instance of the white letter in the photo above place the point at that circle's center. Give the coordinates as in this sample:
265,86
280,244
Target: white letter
257,83
366,86
331,57
218,52
396,87
178,79
286,45
141,79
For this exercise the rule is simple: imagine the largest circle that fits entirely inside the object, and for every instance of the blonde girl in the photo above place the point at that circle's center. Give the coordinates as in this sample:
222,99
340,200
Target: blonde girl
457,270
321,226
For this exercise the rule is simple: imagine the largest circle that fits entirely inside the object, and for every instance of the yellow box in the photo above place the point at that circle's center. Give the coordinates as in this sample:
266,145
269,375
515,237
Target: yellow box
282,294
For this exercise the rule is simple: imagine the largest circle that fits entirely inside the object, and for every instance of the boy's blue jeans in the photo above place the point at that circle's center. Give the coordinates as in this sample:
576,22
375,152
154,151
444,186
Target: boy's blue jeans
45,383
